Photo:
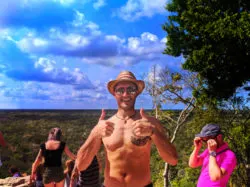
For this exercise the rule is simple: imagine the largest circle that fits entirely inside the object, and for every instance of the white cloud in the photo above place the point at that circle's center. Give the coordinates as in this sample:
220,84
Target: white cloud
45,70
83,39
79,95
5,33
146,36
45,64
164,40
31,43
136,9
114,38
39,42
79,19
109,61
65,2
98,4
76,40
2,66
92,26
50,92
2,84
154,75
133,43
65,69
146,44
80,23
109,50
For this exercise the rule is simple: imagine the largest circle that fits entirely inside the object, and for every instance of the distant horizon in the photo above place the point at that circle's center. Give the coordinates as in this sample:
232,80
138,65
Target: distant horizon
75,109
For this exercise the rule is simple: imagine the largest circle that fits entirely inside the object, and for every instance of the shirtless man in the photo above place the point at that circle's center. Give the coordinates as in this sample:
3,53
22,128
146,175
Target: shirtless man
127,137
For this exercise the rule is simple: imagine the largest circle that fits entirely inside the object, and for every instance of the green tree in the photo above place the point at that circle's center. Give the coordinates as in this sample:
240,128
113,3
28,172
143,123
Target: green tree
214,38
177,88
234,119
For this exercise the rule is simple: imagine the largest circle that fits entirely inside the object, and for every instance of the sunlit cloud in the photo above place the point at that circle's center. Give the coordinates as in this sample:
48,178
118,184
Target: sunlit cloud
98,4
60,53
137,9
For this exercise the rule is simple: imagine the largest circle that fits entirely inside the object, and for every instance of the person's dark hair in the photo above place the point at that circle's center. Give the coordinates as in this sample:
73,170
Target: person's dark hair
55,134
69,167
13,169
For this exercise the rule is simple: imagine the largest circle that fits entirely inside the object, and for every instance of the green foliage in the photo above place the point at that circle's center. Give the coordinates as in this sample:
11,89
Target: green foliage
213,36
185,178
25,131
235,127
157,167
234,122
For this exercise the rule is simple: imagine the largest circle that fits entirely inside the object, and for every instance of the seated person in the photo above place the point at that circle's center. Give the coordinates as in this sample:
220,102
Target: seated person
14,172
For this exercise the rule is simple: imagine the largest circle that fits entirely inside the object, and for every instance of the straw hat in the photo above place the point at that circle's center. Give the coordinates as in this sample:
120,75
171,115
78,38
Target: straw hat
125,76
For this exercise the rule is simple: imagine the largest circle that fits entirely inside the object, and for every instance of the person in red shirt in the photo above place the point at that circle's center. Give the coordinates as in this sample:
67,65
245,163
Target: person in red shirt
2,141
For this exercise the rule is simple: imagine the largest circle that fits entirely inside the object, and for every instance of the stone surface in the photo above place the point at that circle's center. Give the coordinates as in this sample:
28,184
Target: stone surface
19,181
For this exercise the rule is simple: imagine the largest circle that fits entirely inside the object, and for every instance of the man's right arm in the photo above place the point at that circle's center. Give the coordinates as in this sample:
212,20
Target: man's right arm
92,145
88,150
195,160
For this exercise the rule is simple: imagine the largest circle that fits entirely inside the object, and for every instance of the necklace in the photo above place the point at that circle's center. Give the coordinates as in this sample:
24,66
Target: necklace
127,118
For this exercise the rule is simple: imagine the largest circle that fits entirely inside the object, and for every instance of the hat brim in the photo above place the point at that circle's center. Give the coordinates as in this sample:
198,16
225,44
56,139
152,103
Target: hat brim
206,135
139,83
200,135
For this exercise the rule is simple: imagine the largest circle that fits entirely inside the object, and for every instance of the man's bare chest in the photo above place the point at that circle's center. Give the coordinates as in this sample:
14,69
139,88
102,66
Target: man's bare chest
123,137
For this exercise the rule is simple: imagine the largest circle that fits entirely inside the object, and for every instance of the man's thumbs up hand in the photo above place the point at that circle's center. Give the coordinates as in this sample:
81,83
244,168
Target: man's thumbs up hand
103,114
104,127
143,126
143,114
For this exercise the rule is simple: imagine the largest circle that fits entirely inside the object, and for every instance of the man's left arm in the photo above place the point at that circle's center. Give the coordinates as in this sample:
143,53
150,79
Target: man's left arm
165,148
217,172
150,126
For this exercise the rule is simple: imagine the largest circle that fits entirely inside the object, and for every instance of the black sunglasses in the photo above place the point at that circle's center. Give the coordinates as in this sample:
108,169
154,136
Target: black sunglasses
129,90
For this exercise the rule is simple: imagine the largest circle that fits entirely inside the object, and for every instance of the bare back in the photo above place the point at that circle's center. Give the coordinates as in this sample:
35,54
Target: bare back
127,160
52,144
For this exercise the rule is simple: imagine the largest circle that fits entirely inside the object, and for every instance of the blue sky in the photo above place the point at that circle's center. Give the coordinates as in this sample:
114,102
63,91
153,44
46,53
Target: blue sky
60,54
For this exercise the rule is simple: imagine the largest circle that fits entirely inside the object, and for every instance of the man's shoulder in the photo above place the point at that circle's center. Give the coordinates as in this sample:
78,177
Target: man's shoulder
228,150
204,154
230,153
111,118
